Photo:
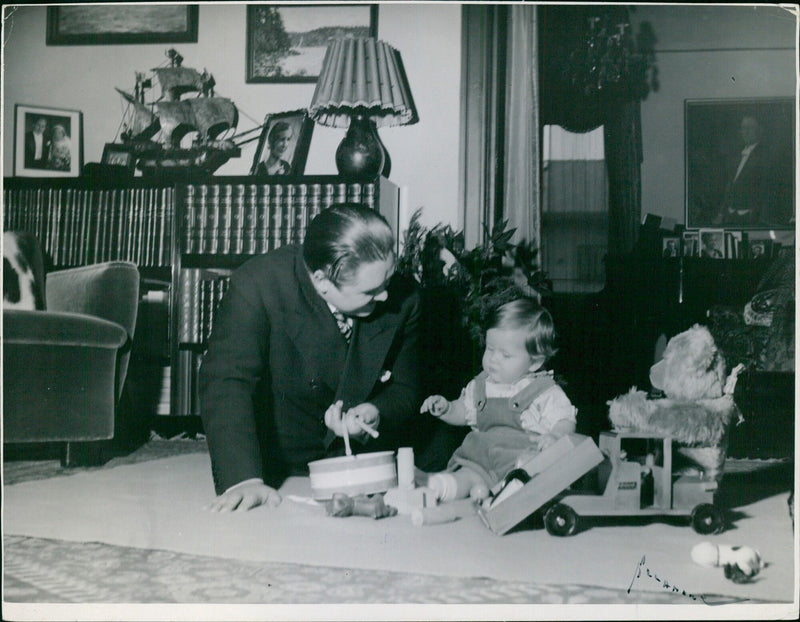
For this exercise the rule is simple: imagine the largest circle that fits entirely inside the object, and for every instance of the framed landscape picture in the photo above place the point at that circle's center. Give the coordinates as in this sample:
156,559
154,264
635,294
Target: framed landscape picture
48,142
114,23
283,145
740,163
286,43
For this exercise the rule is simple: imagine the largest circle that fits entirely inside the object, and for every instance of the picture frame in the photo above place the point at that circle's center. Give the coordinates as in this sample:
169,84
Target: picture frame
290,132
105,24
691,244
287,42
759,194
670,246
59,151
119,155
712,243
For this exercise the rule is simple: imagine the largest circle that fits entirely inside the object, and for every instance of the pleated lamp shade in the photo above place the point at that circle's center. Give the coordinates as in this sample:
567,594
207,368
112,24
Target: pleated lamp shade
362,76
362,86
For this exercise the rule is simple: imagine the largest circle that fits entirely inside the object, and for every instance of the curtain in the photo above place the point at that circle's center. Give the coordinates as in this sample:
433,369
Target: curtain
522,178
563,29
623,140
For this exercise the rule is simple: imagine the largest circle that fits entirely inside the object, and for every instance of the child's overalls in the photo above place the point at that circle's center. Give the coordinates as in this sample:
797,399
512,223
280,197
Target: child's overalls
492,450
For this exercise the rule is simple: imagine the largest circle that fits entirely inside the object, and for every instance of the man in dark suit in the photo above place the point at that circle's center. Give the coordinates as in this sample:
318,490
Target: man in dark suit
37,144
279,362
749,189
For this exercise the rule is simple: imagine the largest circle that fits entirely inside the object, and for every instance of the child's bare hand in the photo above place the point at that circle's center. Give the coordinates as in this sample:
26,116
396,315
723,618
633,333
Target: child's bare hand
435,405
545,440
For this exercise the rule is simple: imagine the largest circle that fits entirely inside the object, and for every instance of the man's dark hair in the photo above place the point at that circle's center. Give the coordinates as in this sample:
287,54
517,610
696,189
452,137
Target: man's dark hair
345,236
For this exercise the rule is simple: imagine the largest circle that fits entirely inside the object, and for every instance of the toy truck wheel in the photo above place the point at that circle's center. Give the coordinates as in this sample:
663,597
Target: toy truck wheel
561,520
706,519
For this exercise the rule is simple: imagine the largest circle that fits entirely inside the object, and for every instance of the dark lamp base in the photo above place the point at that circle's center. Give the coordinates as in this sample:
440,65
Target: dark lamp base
360,155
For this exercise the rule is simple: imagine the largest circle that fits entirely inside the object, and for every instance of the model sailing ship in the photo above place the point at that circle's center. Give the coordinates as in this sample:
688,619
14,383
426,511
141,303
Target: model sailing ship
153,131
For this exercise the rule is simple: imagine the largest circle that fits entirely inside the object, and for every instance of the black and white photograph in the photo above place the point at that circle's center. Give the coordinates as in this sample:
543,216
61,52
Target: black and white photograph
399,311
48,141
283,144
286,42
740,163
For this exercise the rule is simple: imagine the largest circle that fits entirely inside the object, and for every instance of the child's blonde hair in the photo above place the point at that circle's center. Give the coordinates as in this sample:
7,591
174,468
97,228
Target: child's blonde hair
535,320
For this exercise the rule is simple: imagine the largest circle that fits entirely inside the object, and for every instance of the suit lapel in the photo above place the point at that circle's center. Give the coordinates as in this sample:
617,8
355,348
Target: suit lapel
371,340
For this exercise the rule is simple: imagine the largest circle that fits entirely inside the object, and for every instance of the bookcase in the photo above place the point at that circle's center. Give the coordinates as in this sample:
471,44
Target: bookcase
186,238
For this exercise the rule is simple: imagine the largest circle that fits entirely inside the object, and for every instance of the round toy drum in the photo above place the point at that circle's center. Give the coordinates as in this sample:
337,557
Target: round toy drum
361,474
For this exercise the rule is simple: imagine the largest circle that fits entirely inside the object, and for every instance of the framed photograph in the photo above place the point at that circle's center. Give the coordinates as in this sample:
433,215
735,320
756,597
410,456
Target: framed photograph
119,155
712,243
48,142
670,246
283,144
103,24
759,249
691,244
733,244
287,42
740,163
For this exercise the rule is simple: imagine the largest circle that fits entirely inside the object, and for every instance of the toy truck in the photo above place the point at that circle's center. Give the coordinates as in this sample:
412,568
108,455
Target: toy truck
631,474
637,478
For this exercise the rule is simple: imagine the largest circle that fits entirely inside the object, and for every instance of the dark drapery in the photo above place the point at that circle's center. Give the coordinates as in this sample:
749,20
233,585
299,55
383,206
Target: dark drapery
563,28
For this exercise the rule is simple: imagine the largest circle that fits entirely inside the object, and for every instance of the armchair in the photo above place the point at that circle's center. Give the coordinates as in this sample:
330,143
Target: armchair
64,365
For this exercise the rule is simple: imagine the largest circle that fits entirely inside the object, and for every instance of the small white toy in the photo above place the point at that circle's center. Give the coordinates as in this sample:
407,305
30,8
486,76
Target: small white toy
741,563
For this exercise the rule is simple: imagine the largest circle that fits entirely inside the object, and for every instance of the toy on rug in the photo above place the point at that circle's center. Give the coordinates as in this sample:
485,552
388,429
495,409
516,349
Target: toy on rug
373,506
741,563
698,408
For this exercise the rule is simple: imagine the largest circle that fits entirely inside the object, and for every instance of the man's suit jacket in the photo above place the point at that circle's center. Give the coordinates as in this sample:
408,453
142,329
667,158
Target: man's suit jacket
751,191
30,151
276,361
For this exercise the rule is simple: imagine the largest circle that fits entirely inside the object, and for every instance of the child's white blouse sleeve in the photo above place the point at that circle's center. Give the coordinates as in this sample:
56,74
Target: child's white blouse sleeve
546,410
467,398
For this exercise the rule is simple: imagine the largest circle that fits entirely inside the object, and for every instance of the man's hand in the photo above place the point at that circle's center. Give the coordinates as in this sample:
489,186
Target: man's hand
245,497
435,405
336,420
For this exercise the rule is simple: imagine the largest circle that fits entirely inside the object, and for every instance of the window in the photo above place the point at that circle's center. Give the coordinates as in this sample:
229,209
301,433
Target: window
574,233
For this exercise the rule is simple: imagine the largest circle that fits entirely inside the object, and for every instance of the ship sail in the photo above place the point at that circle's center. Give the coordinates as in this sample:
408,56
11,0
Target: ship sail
213,115
142,123
175,81
210,116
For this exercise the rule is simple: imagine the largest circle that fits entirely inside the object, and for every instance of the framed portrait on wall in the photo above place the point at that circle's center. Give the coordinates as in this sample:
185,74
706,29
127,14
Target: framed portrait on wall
48,142
116,23
283,144
740,163
287,42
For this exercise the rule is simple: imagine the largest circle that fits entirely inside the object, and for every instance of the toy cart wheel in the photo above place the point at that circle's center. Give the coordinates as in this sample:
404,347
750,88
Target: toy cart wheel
706,519
561,520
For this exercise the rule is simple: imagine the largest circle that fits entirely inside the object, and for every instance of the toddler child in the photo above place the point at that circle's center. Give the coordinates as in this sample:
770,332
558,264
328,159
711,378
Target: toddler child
515,408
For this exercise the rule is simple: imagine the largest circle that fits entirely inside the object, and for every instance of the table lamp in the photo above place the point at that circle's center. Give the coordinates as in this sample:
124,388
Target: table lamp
362,86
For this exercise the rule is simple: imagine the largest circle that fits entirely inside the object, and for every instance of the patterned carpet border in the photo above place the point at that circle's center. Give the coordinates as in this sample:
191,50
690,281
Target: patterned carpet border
54,571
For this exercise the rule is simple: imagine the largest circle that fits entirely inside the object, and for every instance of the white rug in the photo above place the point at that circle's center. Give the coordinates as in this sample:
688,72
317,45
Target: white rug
159,505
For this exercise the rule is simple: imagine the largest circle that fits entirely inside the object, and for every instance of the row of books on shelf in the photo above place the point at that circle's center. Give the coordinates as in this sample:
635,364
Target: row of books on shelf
200,292
82,226
725,244
255,218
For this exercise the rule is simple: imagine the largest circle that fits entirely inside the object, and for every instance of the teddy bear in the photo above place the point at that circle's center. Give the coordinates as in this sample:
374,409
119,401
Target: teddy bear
698,408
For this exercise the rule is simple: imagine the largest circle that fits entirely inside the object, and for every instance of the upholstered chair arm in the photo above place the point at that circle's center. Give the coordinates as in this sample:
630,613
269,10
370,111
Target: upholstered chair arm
107,290
60,330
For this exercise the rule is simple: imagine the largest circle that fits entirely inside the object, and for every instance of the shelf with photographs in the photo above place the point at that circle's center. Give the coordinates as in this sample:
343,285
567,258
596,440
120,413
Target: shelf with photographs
730,244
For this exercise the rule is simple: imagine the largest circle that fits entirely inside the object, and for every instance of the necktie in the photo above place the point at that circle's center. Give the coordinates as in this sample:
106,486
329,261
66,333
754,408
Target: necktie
344,325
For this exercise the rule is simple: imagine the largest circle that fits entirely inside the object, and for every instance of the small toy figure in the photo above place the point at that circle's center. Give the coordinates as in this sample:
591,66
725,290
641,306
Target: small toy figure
373,506
741,563
514,407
